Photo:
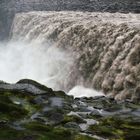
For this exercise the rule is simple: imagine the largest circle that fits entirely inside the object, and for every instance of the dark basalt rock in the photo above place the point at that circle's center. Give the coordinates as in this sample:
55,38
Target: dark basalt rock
26,86
36,84
32,115
72,125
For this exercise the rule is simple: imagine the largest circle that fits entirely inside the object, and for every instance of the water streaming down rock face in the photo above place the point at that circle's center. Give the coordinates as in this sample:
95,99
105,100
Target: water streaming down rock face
8,8
106,47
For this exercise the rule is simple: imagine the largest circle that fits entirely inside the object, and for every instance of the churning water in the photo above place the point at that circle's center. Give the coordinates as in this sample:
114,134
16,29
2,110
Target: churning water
67,49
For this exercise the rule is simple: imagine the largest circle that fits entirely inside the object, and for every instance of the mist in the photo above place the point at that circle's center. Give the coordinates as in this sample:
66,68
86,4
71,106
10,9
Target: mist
43,63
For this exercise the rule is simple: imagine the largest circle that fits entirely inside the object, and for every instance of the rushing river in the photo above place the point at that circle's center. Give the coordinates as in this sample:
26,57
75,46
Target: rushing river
73,50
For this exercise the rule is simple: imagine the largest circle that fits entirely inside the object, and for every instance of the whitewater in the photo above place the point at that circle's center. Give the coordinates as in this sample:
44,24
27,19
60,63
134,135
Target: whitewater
76,52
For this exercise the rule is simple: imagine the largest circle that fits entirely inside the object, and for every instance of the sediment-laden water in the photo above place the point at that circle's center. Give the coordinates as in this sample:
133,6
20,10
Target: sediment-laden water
65,49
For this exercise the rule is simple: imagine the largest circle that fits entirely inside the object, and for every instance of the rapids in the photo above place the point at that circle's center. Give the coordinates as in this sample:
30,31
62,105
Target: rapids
94,50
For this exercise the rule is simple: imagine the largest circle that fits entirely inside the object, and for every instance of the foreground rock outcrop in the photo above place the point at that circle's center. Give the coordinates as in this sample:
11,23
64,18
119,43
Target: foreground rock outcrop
31,111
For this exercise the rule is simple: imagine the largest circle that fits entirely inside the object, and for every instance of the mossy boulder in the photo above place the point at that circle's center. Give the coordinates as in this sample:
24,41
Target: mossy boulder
10,110
73,118
117,128
44,114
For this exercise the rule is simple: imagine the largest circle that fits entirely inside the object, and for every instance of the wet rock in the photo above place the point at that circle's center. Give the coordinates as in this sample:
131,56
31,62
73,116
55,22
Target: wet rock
117,128
33,116
38,117
73,118
31,137
96,113
3,122
39,100
55,118
27,86
72,125
56,102
36,84
37,126
9,110
89,122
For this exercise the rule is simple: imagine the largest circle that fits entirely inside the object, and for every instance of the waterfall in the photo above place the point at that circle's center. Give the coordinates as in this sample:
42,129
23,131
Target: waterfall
95,50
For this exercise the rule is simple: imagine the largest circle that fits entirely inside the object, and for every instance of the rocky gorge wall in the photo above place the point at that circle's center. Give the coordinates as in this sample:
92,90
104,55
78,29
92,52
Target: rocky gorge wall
8,8
105,47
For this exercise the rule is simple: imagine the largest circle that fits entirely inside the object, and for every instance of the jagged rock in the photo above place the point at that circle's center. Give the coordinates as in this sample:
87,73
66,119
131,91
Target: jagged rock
38,116
112,128
36,84
73,118
26,86
72,125
96,113
55,118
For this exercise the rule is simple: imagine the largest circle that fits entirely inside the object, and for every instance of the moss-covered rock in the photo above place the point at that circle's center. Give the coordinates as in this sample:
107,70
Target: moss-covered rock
117,128
25,116
73,118
83,137
10,110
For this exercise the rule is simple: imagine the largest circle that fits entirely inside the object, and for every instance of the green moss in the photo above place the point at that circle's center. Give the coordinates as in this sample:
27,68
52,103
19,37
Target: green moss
18,108
5,98
11,110
7,133
46,132
117,128
58,133
73,118
132,135
36,126
39,131
83,137
15,106
106,131
129,126
62,132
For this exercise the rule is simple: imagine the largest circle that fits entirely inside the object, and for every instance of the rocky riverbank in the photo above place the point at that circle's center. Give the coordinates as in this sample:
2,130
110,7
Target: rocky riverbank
31,111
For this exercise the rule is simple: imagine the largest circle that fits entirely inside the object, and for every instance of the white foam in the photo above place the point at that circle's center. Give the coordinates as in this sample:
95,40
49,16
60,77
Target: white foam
80,91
